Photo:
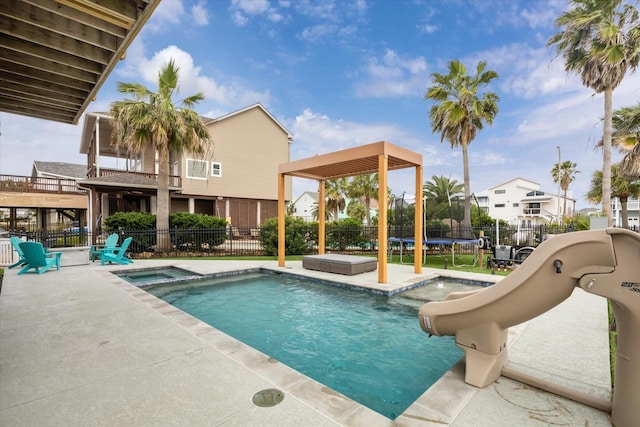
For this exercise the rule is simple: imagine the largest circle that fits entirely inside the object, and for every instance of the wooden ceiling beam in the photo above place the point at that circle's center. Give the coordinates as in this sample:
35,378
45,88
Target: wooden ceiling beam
43,75
22,59
48,21
41,88
17,45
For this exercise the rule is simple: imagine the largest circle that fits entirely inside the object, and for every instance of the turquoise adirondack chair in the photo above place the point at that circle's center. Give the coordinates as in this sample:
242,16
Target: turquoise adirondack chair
15,242
119,255
37,258
109,246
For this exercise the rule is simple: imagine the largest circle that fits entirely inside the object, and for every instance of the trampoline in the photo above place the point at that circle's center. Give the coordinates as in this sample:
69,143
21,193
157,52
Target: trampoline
405,243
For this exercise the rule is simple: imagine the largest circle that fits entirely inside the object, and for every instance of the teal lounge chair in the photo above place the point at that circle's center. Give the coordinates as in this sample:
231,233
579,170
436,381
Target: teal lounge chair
37,258
15,242
110,246
119,255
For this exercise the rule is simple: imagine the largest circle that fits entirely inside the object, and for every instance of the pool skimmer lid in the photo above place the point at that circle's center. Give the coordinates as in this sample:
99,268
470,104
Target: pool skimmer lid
268,397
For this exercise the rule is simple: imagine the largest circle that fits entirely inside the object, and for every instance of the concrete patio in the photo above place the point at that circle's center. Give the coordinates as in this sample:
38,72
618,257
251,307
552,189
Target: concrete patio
81,347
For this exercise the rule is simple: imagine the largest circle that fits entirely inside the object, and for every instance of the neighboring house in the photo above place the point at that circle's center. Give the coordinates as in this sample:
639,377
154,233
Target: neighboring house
305,205
68,174
633,212
521,202
236,179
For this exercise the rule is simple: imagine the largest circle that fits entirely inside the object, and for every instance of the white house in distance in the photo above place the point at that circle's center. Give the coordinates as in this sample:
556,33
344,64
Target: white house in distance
633,212
303,206
521,202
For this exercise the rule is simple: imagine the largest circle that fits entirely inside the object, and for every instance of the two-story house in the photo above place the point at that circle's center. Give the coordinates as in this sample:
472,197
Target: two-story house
235,179
520,201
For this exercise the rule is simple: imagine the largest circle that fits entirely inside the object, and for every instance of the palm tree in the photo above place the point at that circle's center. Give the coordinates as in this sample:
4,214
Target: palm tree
600,40
564,173
334,194
459,113
153,120
440,188
357,210
622,188
626,137
365,189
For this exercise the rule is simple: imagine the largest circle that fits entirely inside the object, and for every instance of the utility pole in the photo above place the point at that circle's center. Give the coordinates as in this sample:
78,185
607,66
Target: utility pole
559,180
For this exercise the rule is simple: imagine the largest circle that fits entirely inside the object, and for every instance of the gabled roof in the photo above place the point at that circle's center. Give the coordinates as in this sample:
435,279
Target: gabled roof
60,169
312,194
57,54
104,129
251,107
534,185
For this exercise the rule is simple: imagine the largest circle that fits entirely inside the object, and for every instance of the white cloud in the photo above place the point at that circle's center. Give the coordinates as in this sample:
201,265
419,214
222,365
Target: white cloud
199,14
192,79
243,10
393,75
167,14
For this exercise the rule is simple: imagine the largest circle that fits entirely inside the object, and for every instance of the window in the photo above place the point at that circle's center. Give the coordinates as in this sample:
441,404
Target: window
515,205
499,205
197,169
500,191
216,169
535,193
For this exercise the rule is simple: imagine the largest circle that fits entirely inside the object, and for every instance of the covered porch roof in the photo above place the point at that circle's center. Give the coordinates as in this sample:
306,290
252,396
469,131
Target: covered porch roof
378,157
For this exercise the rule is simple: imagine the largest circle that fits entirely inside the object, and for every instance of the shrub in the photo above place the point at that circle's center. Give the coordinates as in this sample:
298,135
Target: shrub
299,236
344,233
197,231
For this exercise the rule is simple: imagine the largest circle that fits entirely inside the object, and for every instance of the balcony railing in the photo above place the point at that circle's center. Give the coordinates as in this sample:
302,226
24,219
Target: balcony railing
28,184
174,181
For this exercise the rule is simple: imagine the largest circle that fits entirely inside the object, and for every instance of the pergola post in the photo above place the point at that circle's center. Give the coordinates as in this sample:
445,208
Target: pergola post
417,255
281,219
382,218
321,217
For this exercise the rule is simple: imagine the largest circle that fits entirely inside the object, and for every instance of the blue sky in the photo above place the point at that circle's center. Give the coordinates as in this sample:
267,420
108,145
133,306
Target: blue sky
339,73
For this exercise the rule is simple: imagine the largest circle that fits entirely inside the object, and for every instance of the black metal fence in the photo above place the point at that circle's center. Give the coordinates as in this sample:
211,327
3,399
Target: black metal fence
256,241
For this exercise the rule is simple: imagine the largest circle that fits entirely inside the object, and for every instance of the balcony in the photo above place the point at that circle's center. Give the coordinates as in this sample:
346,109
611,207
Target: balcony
28,184
174,181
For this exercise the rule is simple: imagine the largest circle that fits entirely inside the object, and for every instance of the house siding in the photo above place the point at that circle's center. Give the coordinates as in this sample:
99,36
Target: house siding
250,146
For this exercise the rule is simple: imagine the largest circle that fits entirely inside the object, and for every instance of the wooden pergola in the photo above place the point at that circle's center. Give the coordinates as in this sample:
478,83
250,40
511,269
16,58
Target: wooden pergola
379,157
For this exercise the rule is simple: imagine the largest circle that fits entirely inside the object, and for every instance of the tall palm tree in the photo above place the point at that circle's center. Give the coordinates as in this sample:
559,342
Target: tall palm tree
564,173
357,210
600,40
334,194
365,189
459,112
440,188
622,188
153,119
626,137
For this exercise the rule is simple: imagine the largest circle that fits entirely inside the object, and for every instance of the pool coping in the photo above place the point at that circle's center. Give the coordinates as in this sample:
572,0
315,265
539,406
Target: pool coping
333,404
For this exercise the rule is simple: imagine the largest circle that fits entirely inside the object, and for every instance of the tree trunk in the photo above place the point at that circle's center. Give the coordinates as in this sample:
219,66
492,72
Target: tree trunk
467,186
564,206
623,212
606,156
162,215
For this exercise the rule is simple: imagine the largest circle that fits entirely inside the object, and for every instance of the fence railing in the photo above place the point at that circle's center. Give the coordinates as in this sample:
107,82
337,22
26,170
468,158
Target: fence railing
256,241
28,184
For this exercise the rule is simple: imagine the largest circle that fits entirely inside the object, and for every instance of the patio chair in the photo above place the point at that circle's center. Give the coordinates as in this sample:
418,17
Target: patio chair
37,258
15,242
110,245
119,255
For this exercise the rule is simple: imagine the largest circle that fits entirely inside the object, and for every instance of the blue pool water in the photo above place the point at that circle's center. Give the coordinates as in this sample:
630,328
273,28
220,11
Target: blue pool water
368,347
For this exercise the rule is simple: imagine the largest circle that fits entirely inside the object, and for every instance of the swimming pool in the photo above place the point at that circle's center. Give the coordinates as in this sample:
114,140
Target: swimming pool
368,347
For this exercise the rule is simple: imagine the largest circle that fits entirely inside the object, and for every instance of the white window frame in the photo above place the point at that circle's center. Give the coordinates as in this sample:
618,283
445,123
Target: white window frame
213,165
193,162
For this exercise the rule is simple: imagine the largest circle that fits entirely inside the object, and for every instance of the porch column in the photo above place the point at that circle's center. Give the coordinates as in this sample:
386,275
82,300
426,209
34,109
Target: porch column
383,163
281,219
192,205
417,253
321,217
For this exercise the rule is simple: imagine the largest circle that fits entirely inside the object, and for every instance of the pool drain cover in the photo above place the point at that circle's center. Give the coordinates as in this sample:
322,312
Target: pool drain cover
268,397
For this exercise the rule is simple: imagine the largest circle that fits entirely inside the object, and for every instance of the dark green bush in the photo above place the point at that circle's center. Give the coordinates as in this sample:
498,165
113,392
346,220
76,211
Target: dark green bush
197,231
344,233
129,221
298,236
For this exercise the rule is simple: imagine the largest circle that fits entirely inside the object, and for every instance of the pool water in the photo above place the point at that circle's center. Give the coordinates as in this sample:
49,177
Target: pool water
146,276
368,347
